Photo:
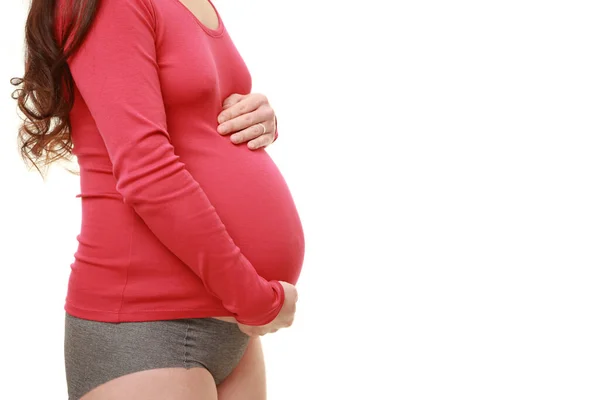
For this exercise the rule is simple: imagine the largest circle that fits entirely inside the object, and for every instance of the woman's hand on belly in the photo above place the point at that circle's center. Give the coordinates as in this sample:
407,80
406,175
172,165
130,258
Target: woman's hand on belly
284,319
249,118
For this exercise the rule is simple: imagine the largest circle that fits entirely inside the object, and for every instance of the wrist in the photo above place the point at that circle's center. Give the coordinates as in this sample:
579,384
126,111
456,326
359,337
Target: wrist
276,306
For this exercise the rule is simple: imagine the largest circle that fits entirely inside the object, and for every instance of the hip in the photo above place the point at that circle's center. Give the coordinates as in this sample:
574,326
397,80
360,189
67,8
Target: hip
97,352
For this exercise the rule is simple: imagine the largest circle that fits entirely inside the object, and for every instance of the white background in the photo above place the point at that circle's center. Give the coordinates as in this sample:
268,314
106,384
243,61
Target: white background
445,159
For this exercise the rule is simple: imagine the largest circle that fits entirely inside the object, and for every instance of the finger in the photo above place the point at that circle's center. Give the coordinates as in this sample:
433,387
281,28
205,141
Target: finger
261,141
247,134
233,99
246,105
262,114
264,330
247,329
251,332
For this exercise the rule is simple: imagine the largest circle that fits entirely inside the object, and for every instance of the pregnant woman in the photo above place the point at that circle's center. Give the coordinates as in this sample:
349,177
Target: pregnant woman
190,241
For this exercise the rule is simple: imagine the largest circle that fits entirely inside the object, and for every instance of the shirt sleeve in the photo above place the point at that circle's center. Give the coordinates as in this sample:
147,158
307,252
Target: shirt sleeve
116,72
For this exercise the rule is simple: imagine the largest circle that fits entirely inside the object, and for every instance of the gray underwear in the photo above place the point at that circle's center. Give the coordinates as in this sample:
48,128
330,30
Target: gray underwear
97,352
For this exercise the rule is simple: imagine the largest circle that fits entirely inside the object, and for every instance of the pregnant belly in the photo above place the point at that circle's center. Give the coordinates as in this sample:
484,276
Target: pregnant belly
255,204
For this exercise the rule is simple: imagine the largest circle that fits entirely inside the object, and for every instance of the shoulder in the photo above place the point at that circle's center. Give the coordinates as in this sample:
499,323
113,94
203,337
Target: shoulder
127,8
118,17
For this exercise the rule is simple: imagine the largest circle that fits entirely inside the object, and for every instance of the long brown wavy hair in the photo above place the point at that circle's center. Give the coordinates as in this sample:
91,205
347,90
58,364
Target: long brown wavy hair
45,93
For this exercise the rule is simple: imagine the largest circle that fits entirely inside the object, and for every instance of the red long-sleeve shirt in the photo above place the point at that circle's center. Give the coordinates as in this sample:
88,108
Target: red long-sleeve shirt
177,222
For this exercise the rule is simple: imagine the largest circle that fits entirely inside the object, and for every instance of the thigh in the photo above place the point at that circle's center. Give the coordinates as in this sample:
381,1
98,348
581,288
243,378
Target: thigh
158,384
248,379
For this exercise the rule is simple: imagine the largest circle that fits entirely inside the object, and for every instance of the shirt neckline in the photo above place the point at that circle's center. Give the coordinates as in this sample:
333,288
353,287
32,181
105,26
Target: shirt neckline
212,32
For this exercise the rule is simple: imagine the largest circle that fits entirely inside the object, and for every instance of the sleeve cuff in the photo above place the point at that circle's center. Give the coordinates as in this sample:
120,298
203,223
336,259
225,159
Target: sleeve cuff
265,319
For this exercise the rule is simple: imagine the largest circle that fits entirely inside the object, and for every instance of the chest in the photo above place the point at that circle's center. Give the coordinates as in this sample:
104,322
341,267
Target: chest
197,65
